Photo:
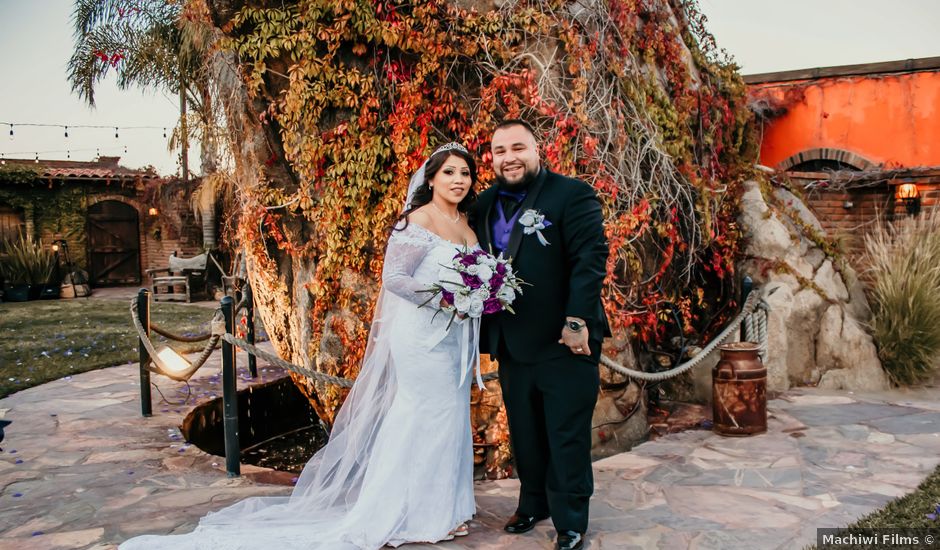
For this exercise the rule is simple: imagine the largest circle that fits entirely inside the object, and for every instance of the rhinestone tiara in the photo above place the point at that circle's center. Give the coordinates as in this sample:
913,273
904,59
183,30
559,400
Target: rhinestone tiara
450,147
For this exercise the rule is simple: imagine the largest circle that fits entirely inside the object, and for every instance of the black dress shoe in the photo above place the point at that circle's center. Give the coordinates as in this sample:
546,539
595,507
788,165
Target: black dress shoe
569,540
519,524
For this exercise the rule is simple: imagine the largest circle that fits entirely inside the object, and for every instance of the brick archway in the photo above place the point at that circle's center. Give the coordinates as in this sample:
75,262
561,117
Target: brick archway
118,198
827,153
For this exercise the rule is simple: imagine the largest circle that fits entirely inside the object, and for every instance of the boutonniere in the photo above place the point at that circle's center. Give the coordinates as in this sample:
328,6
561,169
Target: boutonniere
534,221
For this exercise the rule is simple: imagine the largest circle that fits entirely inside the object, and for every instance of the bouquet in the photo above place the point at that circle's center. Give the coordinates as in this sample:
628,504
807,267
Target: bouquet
475,284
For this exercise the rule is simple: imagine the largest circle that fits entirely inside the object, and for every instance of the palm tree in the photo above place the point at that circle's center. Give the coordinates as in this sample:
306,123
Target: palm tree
145,45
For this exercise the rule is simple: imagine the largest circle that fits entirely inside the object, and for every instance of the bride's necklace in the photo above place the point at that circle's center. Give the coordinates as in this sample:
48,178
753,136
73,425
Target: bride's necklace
454,220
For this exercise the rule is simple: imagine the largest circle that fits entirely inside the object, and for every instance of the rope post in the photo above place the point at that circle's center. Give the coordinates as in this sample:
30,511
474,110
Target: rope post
143,313
747,285
250,329
229,394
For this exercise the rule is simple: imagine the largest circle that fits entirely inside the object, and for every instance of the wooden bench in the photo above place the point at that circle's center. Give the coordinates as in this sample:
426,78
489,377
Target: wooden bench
189,273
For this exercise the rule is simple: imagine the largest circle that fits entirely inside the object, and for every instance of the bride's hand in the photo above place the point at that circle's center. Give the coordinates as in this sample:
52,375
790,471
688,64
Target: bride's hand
445,304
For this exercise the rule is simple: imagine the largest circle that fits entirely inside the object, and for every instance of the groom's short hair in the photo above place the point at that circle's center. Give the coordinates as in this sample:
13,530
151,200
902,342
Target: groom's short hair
516,122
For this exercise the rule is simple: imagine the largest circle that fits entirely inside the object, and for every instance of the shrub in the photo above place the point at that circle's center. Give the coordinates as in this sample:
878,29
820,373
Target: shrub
27,262
904,263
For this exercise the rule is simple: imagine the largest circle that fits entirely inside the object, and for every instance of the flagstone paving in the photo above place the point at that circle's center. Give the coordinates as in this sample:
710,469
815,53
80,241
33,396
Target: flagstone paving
80,468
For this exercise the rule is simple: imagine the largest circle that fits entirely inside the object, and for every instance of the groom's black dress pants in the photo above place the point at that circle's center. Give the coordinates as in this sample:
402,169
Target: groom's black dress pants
549,405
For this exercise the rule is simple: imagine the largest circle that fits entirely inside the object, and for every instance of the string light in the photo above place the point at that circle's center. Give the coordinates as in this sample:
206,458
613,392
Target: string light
46,152
98,126
66,127
66,131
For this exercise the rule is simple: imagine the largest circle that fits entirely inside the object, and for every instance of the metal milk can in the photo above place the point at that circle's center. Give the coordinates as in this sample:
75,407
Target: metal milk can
739,391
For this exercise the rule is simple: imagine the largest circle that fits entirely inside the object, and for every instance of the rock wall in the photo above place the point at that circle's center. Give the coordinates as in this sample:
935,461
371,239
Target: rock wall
816,333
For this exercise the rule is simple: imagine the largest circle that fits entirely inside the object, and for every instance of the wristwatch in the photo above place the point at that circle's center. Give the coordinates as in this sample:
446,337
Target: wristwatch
575,326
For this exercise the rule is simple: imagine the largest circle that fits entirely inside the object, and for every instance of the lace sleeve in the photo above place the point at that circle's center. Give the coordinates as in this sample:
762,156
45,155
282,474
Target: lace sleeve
406,249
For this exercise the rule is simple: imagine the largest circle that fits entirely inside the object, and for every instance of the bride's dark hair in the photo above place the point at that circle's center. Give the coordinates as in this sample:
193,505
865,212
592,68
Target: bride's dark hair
423,194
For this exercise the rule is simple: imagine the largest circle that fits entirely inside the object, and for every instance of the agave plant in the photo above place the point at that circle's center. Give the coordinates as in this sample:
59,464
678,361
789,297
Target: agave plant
26,262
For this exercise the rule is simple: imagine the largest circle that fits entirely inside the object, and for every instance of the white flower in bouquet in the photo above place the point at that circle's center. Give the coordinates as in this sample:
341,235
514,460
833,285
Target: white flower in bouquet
476,307
506,294
484,272
462,300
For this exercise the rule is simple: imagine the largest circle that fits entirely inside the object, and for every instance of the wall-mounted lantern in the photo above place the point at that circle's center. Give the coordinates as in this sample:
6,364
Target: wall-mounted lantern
908,194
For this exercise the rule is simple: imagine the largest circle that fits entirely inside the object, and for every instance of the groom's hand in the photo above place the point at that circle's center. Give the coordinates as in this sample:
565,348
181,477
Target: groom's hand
576,340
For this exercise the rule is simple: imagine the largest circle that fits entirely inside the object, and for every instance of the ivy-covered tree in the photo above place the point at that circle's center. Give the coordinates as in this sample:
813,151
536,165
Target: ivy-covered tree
332,105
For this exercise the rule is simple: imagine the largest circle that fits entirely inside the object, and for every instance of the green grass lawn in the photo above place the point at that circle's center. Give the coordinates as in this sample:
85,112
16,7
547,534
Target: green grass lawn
47,339
907,512
910,510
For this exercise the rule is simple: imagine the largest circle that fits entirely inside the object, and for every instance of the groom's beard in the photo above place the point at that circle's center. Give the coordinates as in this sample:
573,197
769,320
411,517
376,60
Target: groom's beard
520,185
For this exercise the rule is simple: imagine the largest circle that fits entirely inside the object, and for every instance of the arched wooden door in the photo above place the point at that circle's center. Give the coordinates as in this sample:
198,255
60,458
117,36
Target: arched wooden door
113,243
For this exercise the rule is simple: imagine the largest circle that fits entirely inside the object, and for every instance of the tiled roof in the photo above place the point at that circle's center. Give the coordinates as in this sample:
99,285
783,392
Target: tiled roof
104,168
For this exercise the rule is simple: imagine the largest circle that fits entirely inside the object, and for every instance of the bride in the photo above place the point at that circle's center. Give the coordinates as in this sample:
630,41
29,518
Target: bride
398,467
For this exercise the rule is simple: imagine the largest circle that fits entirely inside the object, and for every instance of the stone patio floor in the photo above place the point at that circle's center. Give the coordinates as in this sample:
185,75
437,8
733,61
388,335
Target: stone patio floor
80,468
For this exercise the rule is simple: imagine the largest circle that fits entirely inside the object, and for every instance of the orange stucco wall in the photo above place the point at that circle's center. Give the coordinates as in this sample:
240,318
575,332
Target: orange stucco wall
891,120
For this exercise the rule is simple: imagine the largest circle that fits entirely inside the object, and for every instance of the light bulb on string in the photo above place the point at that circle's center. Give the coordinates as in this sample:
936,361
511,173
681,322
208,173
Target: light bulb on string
115,132
164,133
66,131
37,158
125,149
11,132
2,159
68,154
97,153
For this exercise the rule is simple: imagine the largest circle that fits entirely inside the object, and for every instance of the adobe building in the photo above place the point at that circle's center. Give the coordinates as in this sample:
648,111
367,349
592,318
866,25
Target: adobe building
862,141
117,222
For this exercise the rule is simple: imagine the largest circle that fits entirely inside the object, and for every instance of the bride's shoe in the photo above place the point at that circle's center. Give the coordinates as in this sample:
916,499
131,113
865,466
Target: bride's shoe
461,530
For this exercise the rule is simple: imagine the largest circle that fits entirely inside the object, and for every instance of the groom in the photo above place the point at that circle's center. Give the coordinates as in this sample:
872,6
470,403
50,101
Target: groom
548,351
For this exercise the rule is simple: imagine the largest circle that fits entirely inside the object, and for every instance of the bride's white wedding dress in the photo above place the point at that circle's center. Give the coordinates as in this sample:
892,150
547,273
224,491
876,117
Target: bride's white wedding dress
398,466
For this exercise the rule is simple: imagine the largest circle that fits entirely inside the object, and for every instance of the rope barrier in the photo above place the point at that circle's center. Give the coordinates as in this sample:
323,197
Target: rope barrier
190,339
752,305
161,367
275,360
179,338
753,316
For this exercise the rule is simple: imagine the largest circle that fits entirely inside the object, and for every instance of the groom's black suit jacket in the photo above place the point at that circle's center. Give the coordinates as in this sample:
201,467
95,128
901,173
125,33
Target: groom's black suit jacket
565,276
